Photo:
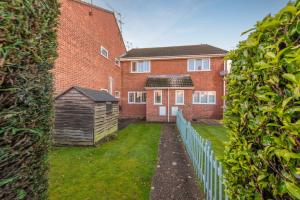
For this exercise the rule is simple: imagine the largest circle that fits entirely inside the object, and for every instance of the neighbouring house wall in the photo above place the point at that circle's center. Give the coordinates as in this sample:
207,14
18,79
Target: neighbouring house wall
105,123
74,119
203,81
80,37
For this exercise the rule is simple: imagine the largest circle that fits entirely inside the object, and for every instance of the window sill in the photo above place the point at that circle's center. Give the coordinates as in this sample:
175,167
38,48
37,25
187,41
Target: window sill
140,72
137,103
179,104
204,103
201,71
158,104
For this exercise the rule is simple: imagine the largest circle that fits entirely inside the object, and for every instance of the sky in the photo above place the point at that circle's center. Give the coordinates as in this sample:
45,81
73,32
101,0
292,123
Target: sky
153,23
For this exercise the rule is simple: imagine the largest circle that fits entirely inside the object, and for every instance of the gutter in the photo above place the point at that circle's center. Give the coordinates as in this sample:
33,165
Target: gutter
171,57
174,88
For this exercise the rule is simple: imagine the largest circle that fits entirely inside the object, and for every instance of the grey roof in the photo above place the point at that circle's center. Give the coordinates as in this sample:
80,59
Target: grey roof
202,49
95,95
169,81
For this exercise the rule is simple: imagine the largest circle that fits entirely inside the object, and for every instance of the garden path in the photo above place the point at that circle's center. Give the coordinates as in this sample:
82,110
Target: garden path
175,178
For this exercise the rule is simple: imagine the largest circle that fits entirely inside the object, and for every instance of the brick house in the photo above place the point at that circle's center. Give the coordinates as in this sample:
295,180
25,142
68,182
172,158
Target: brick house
156,82
89,45
152,83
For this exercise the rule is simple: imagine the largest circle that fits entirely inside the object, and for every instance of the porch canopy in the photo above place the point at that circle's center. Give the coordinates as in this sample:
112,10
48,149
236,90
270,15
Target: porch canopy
169,81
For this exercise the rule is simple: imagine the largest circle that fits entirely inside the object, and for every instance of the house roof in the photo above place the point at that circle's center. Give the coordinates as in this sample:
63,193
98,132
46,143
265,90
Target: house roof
94,95
169,81
202,49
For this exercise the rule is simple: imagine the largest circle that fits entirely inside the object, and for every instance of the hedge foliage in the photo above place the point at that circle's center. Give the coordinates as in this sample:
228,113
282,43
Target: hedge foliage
27,53
262,158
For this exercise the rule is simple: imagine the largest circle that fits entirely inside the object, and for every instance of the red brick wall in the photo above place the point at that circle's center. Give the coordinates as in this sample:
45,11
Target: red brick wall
203,81
152,111
80,37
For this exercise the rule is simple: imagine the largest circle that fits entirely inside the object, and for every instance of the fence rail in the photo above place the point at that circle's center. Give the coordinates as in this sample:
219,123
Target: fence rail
208,169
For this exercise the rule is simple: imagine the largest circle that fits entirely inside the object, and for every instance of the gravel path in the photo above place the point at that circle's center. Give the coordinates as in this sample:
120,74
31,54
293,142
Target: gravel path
174,178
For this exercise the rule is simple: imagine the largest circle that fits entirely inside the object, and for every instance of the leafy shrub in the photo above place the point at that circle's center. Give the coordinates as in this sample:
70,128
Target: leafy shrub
27,53
262,158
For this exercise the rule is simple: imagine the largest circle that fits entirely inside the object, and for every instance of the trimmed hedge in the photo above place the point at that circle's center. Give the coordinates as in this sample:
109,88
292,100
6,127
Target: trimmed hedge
262,159
27,53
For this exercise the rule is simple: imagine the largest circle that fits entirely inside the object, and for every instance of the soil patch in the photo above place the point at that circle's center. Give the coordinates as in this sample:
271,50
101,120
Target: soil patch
175,178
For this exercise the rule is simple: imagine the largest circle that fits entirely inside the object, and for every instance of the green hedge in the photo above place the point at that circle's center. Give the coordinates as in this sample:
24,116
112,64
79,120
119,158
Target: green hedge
262,158
27,53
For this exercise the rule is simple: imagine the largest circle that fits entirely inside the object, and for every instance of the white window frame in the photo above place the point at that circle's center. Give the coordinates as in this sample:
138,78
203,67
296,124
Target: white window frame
207,92
137,64
117,94
104,49
154,97
134,97
105,90
176,91
117,62
196,70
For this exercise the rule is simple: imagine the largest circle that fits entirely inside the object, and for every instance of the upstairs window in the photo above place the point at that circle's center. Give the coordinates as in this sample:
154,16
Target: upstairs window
117,62
104,52
140,66
137,97
199,65
204,97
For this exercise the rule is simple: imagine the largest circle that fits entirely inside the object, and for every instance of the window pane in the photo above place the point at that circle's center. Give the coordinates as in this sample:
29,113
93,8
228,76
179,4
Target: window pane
198,65
138,98
203,97
157,97
144,97
205,64
191,65
131,97
196,97
179,97
134,66
108,108
147,66
211,97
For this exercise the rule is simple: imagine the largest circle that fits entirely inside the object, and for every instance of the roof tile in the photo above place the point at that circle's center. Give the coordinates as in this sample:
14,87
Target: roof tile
169,81
203,49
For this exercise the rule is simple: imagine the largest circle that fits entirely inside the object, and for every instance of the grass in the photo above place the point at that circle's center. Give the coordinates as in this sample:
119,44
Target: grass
216,134
120,169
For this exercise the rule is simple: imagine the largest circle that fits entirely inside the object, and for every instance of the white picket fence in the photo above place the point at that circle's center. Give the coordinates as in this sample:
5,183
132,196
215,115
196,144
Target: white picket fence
208,169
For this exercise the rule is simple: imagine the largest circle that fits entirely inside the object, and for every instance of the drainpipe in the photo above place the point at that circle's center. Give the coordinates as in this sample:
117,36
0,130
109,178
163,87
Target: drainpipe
168,105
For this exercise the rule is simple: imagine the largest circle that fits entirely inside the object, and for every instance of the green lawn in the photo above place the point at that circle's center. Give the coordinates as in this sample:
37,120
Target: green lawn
216,134
120,169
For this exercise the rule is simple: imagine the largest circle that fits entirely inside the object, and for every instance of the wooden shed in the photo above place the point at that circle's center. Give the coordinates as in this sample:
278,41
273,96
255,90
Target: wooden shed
84,116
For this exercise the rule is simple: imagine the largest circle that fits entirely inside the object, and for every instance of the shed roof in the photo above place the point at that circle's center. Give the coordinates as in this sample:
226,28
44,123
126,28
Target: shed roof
170,81
94,95
202,49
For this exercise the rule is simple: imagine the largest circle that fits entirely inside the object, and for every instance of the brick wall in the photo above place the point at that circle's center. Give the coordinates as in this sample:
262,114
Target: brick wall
203,81
80,37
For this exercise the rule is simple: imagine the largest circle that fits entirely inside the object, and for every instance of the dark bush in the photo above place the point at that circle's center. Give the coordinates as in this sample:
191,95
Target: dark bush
263,110
27,53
